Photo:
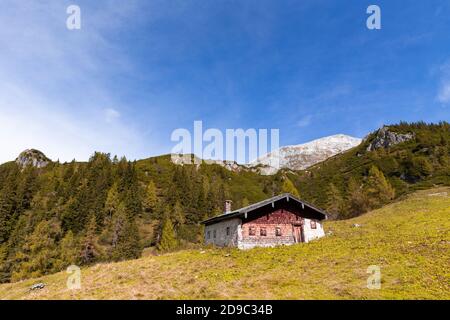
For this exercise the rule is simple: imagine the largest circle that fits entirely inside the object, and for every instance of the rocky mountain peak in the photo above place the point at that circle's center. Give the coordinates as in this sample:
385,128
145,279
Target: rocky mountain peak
32,157
302,156
386,138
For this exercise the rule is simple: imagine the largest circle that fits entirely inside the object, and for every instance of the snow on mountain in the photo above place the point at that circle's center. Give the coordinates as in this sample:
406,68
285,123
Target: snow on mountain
302,156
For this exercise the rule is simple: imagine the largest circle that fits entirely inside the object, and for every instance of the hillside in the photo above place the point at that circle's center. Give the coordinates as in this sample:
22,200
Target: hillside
108,209
409,240
411,157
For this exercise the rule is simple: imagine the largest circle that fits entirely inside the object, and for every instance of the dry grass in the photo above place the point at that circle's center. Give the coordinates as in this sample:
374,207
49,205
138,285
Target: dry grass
409,240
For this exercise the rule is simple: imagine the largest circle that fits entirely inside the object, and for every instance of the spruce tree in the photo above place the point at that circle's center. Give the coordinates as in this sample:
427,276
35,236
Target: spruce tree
335,201
356,199
151,198
90,251
112,201
177,215
69,250
127,245
167,241
39,254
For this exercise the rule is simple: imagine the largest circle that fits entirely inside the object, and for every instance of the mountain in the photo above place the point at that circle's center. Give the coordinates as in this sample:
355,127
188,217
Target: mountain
109,209
32,157
302,156
408,240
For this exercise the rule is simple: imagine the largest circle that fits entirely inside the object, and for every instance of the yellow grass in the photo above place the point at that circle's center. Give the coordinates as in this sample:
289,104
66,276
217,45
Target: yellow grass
409,240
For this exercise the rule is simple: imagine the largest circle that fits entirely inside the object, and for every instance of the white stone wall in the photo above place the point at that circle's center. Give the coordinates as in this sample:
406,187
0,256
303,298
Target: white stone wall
222,239
235,239
311,234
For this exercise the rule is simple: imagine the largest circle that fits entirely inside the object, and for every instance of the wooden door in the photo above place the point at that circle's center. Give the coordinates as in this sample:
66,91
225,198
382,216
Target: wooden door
298,234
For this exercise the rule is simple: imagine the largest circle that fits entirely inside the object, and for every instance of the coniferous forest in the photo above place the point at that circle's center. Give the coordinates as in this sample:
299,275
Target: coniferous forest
111,209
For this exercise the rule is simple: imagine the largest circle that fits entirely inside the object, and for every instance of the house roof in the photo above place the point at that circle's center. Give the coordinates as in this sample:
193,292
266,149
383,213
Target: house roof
242,212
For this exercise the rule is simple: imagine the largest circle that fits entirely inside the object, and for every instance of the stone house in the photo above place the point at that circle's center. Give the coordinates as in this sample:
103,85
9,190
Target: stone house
280,220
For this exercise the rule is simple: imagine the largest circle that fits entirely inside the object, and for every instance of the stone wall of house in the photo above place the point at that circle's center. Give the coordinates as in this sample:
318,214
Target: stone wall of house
217,233
270,239
264,231
282,219
309,232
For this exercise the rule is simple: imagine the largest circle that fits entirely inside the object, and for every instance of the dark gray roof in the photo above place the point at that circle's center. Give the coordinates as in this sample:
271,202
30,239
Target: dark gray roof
242,211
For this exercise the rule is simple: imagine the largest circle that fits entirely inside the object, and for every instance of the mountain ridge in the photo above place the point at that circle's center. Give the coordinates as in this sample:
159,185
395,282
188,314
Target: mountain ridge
305,155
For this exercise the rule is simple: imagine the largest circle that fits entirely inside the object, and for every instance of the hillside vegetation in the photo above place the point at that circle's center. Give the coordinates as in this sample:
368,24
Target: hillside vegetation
409,240
110,209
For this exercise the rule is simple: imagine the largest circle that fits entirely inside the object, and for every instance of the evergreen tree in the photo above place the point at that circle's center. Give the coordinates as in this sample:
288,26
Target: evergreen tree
335,201
167,241
357,199
177,214
125,236
112,201
69,250
150,202
288,187
90,251
39,254
127,245
378,188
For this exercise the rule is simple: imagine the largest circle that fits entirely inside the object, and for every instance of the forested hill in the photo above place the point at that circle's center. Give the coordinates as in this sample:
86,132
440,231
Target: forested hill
391,161
109,209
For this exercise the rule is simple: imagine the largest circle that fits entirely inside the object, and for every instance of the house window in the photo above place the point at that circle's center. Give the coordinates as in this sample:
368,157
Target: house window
262,232
278,231
214,234
208,235
313,224
252,231
228,231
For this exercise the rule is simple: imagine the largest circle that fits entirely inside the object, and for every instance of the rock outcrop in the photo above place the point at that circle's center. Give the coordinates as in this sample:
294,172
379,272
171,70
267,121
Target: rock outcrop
385,139
32,157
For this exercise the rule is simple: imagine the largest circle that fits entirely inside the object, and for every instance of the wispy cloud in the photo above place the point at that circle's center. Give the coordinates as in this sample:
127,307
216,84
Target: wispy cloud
53,83
111,115
305,121
444,92
443,95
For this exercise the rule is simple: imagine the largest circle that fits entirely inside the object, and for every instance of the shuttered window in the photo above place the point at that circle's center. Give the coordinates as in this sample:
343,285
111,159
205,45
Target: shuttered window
278,231
263,232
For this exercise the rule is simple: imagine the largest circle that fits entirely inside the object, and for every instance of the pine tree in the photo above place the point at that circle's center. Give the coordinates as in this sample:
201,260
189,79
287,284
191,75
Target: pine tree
125,236
90,251
378,188
69,250
335,201
177,214
168,241
150,202
127,245
112,201
39,254
288,187
356,198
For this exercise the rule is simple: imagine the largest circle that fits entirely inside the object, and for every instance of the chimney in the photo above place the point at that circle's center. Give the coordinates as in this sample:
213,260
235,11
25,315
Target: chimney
228,206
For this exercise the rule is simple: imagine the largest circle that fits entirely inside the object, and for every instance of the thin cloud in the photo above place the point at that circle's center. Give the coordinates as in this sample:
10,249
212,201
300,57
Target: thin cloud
54,84
111,115
304,122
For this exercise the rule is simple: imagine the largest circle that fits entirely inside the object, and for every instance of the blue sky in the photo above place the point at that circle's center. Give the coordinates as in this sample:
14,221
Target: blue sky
137,70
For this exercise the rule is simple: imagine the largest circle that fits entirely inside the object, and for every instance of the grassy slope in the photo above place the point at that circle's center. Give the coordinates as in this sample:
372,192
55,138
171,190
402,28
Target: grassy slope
409,240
